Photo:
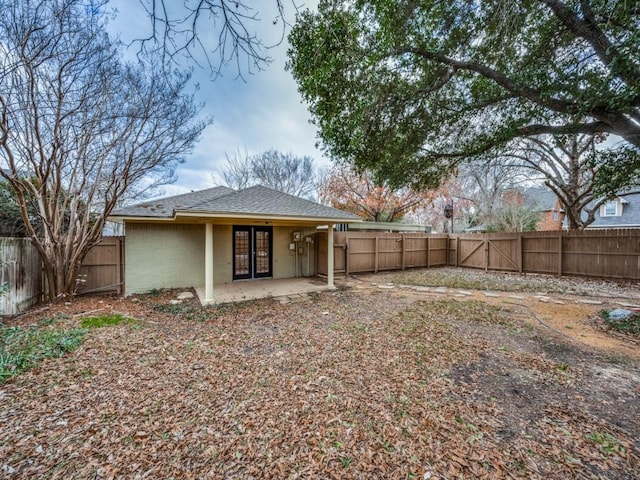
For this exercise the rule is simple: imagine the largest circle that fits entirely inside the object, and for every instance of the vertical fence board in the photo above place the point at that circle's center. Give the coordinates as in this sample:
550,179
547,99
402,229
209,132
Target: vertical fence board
20,275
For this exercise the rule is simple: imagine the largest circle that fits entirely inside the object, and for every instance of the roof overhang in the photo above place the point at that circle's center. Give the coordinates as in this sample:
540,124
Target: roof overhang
221,218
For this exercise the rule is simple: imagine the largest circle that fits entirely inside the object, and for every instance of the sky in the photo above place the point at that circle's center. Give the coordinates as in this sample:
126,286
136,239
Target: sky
262,111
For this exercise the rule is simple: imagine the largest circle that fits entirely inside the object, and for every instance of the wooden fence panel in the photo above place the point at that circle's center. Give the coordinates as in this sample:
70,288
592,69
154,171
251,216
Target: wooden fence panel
361,253
415,251
540,252
605,253
438,250
472,252
20,275
504,253
390,253
103,268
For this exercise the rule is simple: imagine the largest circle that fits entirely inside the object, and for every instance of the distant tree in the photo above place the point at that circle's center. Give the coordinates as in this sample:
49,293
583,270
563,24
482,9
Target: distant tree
513,217
484,182
79,128
572,167
284,172
360,194
452,192
409,89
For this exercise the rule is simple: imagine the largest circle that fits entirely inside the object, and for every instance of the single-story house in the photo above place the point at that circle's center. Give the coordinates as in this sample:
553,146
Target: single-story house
220,235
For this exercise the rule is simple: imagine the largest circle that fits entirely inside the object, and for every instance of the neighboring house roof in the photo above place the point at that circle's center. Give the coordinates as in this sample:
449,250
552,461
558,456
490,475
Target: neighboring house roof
630,216
541,198
223,201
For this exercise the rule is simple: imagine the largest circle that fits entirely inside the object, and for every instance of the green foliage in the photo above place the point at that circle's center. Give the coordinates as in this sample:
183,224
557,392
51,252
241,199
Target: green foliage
630,325
11,223
24,348
105,321
408,89
607,443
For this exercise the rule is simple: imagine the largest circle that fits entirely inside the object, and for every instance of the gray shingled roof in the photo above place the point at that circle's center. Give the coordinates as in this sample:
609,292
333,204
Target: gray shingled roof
630,215
539,197
164,207
256,200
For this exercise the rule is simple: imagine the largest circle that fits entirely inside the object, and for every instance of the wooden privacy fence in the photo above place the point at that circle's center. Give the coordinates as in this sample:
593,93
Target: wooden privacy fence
359,252
593,253
20,275
21,278
103,268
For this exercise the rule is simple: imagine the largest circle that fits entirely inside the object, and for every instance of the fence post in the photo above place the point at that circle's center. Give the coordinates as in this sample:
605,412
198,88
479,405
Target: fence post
346,256
428,259
118,265
560,253
403,250
376,256
457,251
520,252
486,253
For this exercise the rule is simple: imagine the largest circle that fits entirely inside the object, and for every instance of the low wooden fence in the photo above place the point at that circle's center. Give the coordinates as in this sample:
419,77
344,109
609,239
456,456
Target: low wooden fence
611,254
21,278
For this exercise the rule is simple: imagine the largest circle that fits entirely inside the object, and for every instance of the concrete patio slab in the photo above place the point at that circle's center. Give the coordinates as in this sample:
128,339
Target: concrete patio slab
241,291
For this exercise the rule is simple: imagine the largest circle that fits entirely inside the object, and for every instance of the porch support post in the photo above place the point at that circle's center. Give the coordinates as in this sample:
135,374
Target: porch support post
330,255
208,263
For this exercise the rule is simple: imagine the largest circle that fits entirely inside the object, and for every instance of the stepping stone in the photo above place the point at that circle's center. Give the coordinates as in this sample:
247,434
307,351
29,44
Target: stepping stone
441,290
628,305
175,302
421,289
464,293
185,296
590,302
491,294
543,299
389,287
559,302
517,297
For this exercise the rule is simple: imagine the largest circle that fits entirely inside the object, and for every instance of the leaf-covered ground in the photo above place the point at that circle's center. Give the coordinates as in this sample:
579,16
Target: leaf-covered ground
348,384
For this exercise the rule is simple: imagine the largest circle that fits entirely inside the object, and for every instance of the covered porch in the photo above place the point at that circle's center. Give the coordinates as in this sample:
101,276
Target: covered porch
265,288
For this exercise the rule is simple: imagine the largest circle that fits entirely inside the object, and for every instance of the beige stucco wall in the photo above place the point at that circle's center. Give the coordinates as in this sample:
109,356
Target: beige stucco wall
172,256
163,256
284,260
222,255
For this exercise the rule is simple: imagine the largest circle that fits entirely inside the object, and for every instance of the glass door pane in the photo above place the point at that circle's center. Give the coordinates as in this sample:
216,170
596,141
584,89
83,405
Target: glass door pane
242,253
263,253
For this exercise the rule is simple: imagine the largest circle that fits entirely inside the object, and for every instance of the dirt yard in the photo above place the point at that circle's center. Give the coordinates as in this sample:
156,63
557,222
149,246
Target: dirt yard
380,379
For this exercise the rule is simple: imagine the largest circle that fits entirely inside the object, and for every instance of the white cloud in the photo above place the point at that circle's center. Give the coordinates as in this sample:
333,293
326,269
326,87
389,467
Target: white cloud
264,112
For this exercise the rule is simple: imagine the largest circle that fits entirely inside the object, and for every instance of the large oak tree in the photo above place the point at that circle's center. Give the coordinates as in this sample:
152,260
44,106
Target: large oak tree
408,89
